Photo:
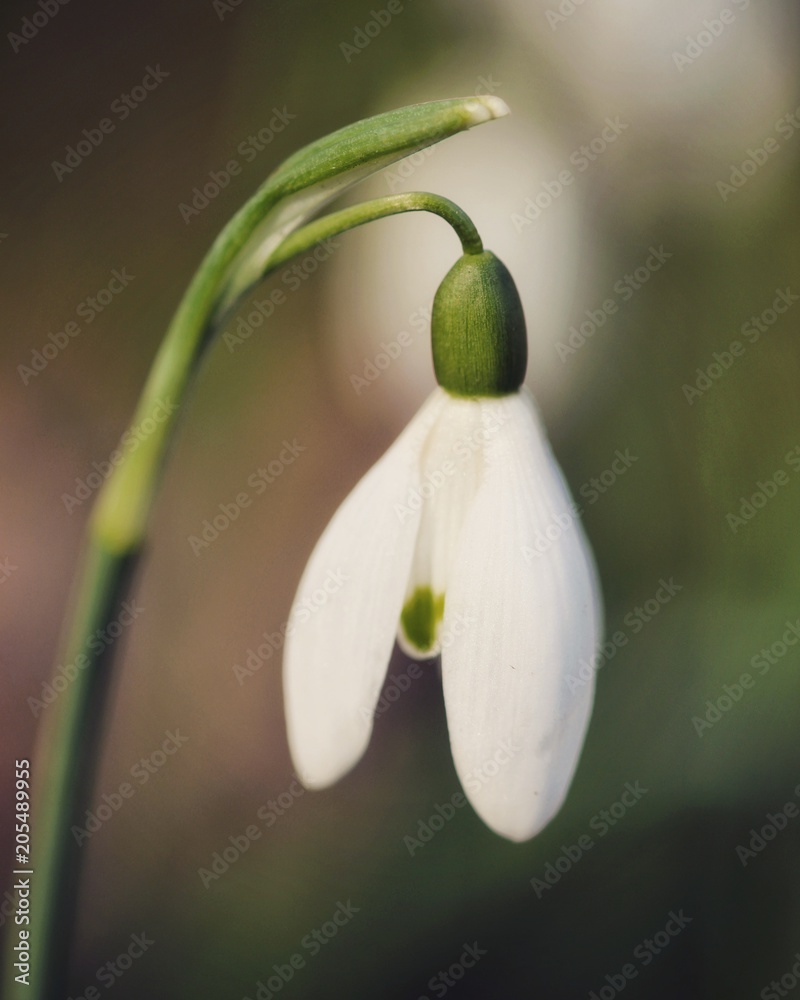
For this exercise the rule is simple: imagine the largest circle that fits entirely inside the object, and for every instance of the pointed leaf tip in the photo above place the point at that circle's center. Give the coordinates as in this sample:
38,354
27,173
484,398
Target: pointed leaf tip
489,108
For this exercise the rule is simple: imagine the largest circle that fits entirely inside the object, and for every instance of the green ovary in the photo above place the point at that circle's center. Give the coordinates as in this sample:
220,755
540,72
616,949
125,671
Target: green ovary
420,617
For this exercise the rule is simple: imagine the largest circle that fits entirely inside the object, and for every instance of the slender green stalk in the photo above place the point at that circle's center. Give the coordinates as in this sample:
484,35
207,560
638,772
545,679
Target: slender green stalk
64,768
368,211
336,223
247,249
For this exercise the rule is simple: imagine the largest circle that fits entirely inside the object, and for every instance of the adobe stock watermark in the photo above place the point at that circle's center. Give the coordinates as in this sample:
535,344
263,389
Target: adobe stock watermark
87,310
601,824
141,772
224,7
258,482
634,621
427,829
131,440
98,641
599,485
776,822
121,108
311,944
563,12
110,972
364,35
394,687
239,844
293,278
710,31
33,23
401,171
6,569
789,981
761,663
398,684
715,710
595,487
752,330
373,368
770,656
463,449
645,952
755,157
442,814
581,158
623,291
248,149
445,979
302,611
766,490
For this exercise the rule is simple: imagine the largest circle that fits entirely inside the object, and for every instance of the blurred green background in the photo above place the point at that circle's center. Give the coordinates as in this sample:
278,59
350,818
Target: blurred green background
691,95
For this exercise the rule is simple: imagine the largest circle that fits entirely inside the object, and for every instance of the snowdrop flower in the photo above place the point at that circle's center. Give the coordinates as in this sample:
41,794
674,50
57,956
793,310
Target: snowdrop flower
461,541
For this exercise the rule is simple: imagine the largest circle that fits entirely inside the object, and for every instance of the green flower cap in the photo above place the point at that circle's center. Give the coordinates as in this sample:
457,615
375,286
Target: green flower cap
480,347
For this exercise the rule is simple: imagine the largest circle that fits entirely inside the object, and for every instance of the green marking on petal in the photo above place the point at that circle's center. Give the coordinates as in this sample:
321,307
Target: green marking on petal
421,614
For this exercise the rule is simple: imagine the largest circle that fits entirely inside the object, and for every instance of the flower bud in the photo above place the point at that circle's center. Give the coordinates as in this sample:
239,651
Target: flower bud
480,347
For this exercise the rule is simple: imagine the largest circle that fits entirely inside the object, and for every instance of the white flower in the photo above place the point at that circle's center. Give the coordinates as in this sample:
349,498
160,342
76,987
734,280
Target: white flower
462,540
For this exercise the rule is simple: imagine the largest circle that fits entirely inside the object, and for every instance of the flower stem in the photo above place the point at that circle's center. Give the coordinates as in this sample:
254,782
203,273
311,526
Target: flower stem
368,211
336,223
63,772
255,242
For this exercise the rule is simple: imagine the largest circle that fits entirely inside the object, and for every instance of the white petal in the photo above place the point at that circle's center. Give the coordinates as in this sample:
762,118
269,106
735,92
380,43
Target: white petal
522,611
451,466
344,620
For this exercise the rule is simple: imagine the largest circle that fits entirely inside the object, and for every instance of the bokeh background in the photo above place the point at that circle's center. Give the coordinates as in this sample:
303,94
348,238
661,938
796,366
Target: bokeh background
690,93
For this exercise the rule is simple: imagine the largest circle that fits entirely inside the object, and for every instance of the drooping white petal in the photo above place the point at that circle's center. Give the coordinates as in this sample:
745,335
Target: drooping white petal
522,612
450,473
344,619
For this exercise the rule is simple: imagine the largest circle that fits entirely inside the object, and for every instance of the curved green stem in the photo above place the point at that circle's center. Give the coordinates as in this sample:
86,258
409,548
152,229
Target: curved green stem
336,223
122,509
368,211
248,248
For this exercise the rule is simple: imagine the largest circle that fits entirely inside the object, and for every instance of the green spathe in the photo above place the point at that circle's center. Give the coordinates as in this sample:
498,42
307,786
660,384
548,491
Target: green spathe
480,347
421,614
